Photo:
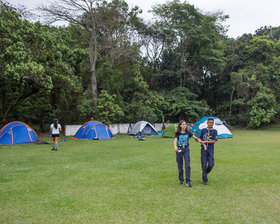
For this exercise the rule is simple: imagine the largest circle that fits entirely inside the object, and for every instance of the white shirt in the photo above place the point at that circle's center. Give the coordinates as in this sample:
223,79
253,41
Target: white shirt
55,130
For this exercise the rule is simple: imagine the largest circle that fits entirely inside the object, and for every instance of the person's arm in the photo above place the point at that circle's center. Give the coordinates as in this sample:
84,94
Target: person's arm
211,142
214,138
51,129
202,142
199,140
196,139
175,144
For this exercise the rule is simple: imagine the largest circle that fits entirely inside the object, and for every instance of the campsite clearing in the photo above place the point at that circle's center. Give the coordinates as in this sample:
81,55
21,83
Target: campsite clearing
124,180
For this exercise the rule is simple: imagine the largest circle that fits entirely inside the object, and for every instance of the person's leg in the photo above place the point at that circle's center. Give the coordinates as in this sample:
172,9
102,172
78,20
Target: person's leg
210,161
204,165
56,141
53,141
179,159
187,166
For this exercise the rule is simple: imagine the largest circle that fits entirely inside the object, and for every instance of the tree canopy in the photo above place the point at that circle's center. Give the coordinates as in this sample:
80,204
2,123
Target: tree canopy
181,65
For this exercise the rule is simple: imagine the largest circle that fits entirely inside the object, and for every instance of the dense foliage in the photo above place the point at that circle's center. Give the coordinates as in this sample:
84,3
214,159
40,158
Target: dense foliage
180,66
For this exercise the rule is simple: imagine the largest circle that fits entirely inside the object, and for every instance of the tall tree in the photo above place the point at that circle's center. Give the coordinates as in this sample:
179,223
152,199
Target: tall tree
253,65
118,50
194,36
81,13
105,24
30,60
183,104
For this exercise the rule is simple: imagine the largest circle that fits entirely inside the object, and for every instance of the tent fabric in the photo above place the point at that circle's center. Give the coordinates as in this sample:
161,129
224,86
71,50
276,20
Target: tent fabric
143,128
17,132
223,131
169,132
93,130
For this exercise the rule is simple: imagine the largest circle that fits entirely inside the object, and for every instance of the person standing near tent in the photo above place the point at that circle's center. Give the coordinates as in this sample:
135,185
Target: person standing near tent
55,130
208,137
181,147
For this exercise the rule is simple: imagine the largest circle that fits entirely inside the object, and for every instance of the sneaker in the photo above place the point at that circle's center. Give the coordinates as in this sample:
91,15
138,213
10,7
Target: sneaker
52,149
181,182
188,185
205,182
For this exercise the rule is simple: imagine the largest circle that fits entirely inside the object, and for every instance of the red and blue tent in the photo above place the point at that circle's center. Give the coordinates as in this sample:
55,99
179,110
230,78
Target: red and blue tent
17,132
93,130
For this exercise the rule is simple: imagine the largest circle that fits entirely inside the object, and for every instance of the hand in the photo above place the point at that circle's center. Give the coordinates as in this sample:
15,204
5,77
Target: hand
175,149
205,147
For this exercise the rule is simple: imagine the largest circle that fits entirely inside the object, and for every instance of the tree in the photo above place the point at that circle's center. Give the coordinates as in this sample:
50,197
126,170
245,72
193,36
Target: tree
31,61
260,50
264,108
81,13
119,52
107,110
99,20
141,103
194,36
236,82
183,104
253,77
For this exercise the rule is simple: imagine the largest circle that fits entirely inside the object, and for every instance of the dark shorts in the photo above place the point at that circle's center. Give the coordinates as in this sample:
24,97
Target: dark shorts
55,135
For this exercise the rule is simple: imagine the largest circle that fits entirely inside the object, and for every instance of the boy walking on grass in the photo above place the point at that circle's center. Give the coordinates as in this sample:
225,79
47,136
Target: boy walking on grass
208,137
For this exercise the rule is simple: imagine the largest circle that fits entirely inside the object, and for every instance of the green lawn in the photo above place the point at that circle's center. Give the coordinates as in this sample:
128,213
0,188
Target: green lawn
129,181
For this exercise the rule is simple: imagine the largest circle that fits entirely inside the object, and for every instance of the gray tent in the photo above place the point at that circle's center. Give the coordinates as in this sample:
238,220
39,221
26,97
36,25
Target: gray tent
143,128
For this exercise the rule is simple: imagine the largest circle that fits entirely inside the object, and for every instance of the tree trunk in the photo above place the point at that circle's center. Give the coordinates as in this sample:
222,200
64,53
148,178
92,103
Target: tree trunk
93,60
230,105
10,107
42,125
182,69
162,120
181,116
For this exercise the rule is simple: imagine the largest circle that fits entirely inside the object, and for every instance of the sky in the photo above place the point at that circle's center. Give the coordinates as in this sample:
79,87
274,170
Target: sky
245,16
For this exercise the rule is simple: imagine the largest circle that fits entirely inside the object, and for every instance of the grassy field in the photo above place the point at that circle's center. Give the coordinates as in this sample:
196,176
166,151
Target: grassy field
129,181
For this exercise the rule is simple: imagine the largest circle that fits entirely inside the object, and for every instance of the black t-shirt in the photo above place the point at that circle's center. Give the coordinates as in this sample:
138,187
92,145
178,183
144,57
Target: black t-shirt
183,139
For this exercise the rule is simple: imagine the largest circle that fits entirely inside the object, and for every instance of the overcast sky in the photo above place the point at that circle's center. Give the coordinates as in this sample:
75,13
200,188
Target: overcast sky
245,16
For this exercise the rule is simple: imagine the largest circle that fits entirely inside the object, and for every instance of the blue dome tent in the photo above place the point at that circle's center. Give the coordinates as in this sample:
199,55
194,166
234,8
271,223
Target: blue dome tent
17,132
223,131
93,130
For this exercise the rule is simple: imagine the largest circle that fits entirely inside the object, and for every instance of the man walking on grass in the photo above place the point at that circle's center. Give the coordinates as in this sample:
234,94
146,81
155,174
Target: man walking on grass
208,136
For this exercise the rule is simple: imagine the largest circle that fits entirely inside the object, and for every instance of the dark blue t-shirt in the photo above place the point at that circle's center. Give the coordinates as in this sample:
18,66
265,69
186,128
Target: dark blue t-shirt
209,135
183,139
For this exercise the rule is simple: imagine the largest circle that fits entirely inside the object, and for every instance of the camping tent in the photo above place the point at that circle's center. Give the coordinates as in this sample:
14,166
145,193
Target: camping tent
169,132
93,130
143,128
223,131
17,132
